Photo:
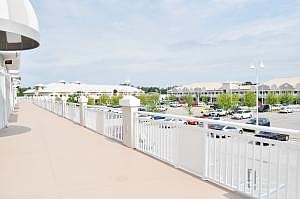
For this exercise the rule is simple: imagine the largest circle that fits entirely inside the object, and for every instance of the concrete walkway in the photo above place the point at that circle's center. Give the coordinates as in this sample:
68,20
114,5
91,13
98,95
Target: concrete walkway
43,156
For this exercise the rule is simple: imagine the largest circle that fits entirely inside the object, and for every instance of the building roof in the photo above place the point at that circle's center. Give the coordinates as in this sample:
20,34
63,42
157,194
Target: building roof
199,86
281,82
64,87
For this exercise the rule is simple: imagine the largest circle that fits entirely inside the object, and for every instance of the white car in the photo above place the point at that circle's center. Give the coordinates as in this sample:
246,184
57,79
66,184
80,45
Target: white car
285,109
218,112
216,128
162,108
175,104
171,122
242,114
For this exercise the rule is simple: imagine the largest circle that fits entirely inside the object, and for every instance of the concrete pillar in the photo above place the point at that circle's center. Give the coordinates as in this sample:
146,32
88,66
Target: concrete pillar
63,104
83,104
130,106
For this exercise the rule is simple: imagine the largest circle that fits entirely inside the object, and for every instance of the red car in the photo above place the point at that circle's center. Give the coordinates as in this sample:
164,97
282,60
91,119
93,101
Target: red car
192,122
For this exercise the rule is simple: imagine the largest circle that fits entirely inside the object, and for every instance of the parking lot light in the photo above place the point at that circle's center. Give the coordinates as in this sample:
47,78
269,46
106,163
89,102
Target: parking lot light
256,68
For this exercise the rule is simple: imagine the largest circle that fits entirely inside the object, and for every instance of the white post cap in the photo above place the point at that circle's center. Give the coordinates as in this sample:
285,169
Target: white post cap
130,101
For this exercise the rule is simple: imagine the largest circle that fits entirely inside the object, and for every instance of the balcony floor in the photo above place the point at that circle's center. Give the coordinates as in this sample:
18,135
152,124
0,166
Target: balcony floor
43,156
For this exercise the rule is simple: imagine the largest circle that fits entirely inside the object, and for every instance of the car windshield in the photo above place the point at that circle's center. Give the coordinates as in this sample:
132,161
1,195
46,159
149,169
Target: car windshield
240,112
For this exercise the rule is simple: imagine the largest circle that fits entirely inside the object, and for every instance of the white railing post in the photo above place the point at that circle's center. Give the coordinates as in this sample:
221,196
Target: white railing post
63,104
130,106
100,119
205,152
53,104
83,104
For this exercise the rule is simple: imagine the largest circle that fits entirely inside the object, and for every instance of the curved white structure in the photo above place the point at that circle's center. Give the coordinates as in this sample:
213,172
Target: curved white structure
19,29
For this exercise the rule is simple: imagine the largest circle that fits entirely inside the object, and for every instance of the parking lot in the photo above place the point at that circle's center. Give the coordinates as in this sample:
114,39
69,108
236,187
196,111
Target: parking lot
290,120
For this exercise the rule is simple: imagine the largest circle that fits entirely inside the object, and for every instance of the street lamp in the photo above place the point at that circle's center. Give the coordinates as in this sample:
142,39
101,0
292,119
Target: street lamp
256,68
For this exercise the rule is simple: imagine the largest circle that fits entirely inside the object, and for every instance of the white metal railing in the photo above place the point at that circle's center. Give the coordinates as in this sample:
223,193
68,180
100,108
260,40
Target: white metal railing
258,167
72,112
113,125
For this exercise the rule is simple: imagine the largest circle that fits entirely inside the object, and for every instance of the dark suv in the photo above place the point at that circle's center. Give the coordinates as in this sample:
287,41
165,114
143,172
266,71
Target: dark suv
264,108
261,122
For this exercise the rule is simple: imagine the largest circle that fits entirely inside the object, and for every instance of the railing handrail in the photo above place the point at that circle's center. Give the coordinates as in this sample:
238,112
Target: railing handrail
221,122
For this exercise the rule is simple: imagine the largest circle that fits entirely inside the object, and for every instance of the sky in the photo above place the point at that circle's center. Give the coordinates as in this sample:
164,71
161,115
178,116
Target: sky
163,42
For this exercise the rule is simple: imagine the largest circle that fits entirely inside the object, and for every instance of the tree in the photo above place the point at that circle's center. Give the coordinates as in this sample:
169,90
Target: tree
104,100
205,99
20,91
91,101
172,98
272,99
250,99
227,101
150,101
297,99
115,100
286,98
189,100
73,98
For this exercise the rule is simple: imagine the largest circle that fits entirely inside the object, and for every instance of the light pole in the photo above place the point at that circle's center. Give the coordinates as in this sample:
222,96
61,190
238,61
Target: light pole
256,68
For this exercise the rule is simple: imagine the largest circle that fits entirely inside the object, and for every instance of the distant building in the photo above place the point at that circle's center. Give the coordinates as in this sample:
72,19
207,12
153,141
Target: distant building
213,89
63,88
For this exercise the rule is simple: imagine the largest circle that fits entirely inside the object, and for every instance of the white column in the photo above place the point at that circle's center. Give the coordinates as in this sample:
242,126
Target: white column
83,104
64,103
130,106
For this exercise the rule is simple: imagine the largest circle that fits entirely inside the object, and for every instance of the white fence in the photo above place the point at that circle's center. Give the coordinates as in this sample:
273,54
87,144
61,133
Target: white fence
258,167
103,120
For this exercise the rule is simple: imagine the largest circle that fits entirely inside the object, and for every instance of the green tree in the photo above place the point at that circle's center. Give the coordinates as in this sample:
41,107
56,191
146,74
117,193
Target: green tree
172,98
20,91
297,99
250,99
115,100
272,99
189,99
73,98
227,101
91,101
286,98
150,101
104,100
205,99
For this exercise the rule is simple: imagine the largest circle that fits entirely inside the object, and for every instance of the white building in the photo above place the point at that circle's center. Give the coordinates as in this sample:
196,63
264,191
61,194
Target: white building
213,89
63,88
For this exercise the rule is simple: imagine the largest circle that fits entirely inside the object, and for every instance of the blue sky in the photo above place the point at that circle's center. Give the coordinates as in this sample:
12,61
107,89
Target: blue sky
163,42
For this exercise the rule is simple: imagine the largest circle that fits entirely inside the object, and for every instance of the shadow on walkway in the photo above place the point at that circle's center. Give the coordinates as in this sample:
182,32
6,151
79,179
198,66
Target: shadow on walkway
13,118
14,130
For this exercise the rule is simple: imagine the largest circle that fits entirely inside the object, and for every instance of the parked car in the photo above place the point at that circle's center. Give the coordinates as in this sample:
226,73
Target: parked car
214,118
273,136
225,128
261,122
242,114
158,117
161,108
192,122
142,109
286,109
270,135
171,122
264,108
175,104
218,112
